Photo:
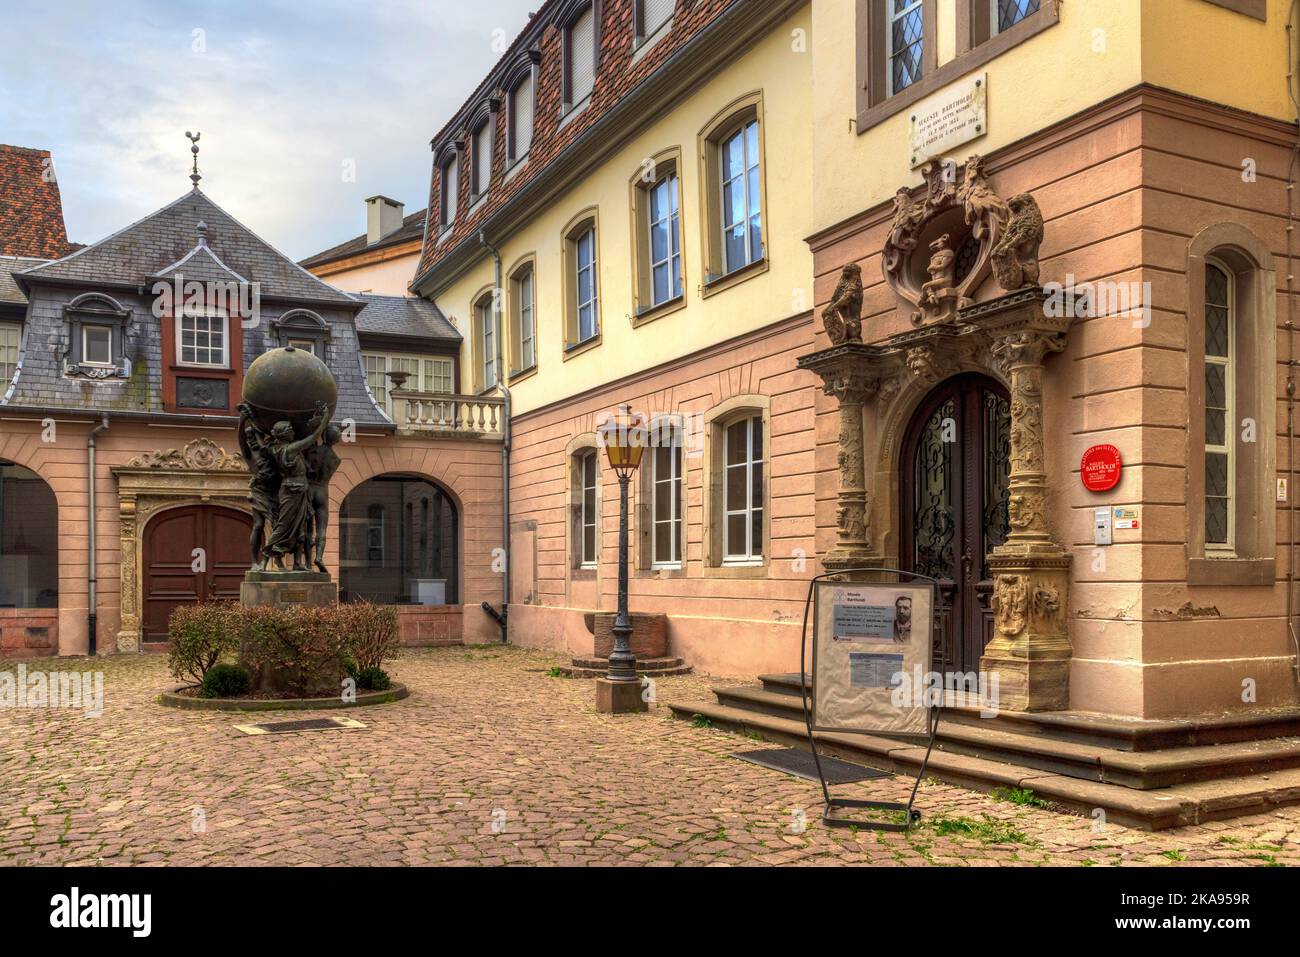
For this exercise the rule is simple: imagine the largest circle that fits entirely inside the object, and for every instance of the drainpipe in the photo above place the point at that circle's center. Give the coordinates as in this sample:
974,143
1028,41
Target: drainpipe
497,297
91,577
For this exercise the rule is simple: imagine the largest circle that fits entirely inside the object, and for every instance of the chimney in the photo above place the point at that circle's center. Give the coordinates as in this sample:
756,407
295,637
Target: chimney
383,218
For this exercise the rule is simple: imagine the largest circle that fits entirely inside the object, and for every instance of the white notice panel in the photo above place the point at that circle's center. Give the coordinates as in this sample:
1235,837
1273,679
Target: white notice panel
871,656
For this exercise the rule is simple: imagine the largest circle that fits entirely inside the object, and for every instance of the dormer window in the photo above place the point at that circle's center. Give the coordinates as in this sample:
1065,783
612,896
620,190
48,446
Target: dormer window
482,171
97,346
580,57
450,190
203,337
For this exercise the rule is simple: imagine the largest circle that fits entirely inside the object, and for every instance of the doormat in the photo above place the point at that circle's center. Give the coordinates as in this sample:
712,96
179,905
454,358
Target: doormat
309,724
800,763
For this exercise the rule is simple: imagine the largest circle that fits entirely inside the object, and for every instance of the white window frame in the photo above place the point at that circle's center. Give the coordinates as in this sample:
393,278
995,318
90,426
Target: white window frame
588,520
673,259
85,352
578,270
748,164
526,309
449,195
11,340
306,345
676,517
753,455
481,173
890,20
1228,363
425,376
487,365
200,312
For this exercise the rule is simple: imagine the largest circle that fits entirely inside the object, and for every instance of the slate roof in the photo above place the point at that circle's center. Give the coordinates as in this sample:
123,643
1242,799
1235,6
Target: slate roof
31,209
412,228
403,316
9,291
134,254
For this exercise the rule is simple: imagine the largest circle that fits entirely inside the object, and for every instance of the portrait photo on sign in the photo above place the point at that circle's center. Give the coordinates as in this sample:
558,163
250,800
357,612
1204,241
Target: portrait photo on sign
870,640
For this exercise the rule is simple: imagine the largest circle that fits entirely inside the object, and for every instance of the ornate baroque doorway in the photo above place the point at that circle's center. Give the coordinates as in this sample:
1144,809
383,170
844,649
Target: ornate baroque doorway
955,464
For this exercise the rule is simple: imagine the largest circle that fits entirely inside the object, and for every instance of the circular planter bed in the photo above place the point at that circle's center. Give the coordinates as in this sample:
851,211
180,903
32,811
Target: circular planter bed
187,697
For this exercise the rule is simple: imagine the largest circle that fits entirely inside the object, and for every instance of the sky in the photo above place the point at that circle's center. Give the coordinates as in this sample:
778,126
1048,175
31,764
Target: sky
304,107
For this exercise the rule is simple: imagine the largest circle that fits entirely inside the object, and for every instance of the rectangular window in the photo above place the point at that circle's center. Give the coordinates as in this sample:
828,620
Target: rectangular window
664,241
482,158
375,367
10,335
97,345
651,15
424,374
1219,387
306,345
580,57
202,338
666,501
487,344
525,323
450,192
375,536
588,311
742,491
1006,14
437,376
905,40
521,118
587,509
742,215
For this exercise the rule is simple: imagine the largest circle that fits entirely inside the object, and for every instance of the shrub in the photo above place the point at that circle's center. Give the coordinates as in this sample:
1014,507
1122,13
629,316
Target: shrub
199,636
225,681
373,679
371,633
309,643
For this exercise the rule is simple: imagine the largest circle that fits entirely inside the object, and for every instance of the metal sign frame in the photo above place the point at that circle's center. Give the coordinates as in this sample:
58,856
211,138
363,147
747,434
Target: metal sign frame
830,804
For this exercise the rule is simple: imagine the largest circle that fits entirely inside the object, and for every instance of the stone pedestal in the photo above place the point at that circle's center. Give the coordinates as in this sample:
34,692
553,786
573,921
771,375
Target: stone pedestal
619,697
649,638
283,590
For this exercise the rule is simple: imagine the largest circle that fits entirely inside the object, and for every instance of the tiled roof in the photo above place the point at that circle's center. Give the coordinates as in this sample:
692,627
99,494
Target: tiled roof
403,316
9,291
412,228
616,76
140,251
31,210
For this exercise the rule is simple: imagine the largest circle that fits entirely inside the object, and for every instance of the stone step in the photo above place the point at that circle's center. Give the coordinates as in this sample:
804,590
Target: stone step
1143,770
1125,734
1152,809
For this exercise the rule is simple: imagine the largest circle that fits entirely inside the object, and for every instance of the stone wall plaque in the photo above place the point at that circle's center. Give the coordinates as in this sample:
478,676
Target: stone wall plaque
195,393
955,115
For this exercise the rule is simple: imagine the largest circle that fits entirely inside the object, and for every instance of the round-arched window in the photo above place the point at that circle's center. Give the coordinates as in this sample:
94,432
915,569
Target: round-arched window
29,540
399,543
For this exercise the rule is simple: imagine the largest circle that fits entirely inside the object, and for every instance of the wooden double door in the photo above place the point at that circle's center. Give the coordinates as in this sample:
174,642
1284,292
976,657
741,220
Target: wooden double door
175,573
955,470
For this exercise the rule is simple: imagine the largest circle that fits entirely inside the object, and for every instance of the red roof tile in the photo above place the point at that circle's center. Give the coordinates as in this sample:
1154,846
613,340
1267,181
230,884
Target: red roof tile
31,211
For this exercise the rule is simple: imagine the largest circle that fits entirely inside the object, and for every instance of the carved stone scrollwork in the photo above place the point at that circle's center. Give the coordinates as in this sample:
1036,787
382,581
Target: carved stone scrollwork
201,454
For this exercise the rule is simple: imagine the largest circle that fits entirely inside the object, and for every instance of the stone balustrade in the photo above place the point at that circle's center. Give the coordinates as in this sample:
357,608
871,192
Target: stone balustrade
442,413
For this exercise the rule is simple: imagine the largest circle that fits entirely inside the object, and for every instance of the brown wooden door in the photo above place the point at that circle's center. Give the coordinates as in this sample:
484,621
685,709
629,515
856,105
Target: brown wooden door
955,467
170,578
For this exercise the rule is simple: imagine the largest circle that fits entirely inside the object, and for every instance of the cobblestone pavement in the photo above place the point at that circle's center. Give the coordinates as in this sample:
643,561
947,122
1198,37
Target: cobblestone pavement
493,761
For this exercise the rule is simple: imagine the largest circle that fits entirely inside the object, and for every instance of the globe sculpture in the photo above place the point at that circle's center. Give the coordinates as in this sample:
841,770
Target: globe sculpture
287,443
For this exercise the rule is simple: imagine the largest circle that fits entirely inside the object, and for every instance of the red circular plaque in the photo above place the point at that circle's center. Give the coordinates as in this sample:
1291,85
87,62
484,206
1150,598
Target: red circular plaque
1100,468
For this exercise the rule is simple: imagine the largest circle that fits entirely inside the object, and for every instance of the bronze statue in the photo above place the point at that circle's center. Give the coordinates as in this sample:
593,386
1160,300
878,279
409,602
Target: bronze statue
322,463
842,317
263,484
1015,256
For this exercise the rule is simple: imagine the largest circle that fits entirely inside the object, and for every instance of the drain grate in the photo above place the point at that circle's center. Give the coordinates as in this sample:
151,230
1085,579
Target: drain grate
800,763
308,724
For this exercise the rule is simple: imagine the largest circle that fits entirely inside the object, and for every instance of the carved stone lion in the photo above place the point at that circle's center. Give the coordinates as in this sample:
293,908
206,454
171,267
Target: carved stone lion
842,318
1015,256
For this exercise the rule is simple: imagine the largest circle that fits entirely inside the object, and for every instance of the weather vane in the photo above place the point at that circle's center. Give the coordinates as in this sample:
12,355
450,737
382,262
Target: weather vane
194,139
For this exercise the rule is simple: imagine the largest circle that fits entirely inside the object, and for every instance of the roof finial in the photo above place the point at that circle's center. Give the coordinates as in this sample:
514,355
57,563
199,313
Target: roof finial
194,148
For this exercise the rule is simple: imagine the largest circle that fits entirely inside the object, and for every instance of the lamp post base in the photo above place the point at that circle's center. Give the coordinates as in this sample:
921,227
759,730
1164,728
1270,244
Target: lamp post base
619,697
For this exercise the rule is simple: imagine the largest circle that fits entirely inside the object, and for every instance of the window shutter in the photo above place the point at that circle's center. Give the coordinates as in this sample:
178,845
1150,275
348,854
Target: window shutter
654,13
482,158
582,67
450,188
521,113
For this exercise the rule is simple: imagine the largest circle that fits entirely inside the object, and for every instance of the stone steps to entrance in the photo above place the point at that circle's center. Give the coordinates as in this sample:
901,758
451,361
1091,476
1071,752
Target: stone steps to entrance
1152,789
588,667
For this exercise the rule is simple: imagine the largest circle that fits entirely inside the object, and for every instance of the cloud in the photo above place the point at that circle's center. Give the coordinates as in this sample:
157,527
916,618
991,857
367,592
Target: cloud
286,96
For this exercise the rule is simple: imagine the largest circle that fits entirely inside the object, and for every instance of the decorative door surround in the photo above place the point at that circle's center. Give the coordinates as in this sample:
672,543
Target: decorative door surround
201,472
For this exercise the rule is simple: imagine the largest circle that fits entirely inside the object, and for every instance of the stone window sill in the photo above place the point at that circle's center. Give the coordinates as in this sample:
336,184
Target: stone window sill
1232,572
651,313
717,284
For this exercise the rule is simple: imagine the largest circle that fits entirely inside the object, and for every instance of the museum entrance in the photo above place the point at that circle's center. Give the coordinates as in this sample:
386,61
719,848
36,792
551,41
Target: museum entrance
954,467
176,573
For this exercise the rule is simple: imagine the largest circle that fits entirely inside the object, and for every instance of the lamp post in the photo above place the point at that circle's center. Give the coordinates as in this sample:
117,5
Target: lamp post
624,437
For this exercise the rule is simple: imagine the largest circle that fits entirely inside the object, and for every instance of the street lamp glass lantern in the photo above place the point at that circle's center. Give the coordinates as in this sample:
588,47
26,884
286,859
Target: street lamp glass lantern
625,437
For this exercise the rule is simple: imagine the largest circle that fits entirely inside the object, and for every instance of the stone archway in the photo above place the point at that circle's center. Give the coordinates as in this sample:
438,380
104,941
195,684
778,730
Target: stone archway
201,472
